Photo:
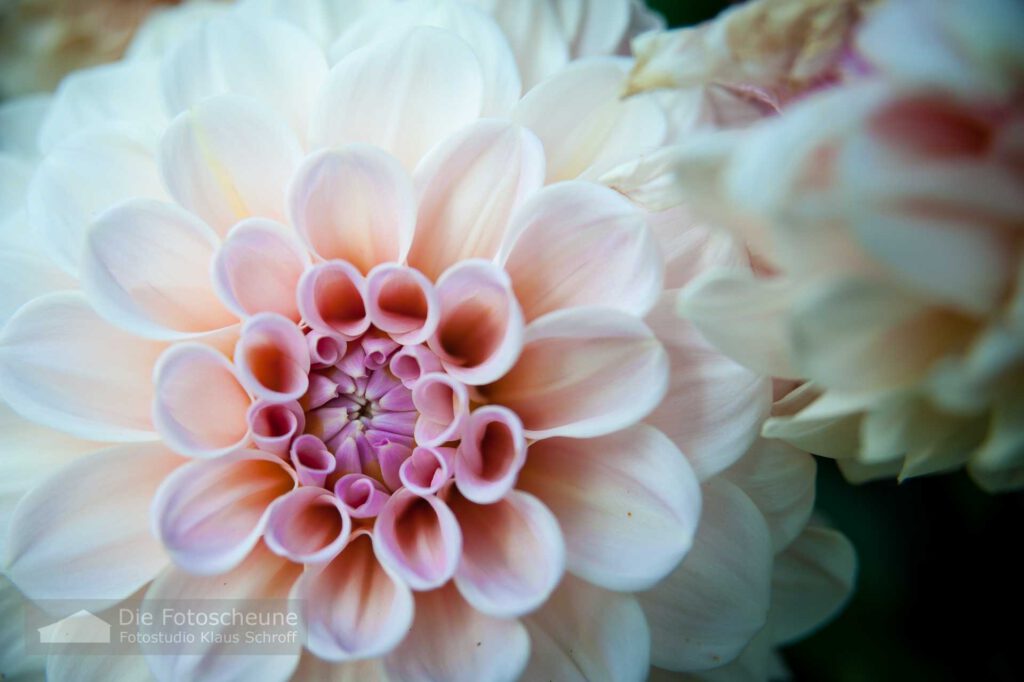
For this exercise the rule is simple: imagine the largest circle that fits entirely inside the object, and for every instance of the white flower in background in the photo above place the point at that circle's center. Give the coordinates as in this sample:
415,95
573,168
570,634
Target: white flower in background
311,299
883,217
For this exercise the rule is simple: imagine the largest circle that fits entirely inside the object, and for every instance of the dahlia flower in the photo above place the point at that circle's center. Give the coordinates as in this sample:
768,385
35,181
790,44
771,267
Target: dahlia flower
882,214
310,300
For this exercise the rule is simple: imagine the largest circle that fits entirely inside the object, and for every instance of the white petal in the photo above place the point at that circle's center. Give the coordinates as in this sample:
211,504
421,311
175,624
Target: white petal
366,97
220,56
628,504
126,92
586,634
17,665
779,479
812,579
323,20
63,664
355,204
227,158
20,120
534,31
577,243
62,365
452,641
83,533
468,188
262,576
24,276
583,372
146,268
717,599
84,175
585,126
313,669
714,407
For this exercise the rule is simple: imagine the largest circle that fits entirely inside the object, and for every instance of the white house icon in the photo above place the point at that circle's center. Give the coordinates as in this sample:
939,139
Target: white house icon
79,628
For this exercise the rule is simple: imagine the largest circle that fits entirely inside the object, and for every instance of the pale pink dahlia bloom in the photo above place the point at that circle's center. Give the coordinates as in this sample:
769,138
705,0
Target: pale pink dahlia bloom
884,219
371,336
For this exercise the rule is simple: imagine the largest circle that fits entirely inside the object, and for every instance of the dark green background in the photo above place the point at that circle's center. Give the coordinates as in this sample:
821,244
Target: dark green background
939,594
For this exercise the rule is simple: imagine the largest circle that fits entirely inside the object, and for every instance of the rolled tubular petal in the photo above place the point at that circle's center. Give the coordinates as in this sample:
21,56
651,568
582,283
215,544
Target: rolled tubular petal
332,299
274,425
431,67
452,641
312,460
272,358
443,406
468,189
480,334
513,554
210,514
355,204
83,532
257,269
354,607
201,408
146,268
227,158
427,469
64,366
410,363
583,372
308,526
491,453
402,302
617,498
577,243
325,350
419,539
364,497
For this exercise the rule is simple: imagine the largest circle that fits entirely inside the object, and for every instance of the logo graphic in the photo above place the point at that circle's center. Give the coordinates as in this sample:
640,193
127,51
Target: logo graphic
79,628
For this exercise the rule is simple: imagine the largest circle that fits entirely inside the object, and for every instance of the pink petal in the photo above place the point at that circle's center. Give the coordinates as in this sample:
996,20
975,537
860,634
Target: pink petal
616,644
211,513
468,189
578,243
513,554
332,299
410,363
312,668
307,526
452,641
481,330
312,460
257,269
325,350
443,404
354,607
433,68
272,358
354,204
714,407
717,599
418,538
364,497
227,158
491,453
64,366
83,532
262,577
146,268
628,504
275,425
402,302
583,372
200,409
427,469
